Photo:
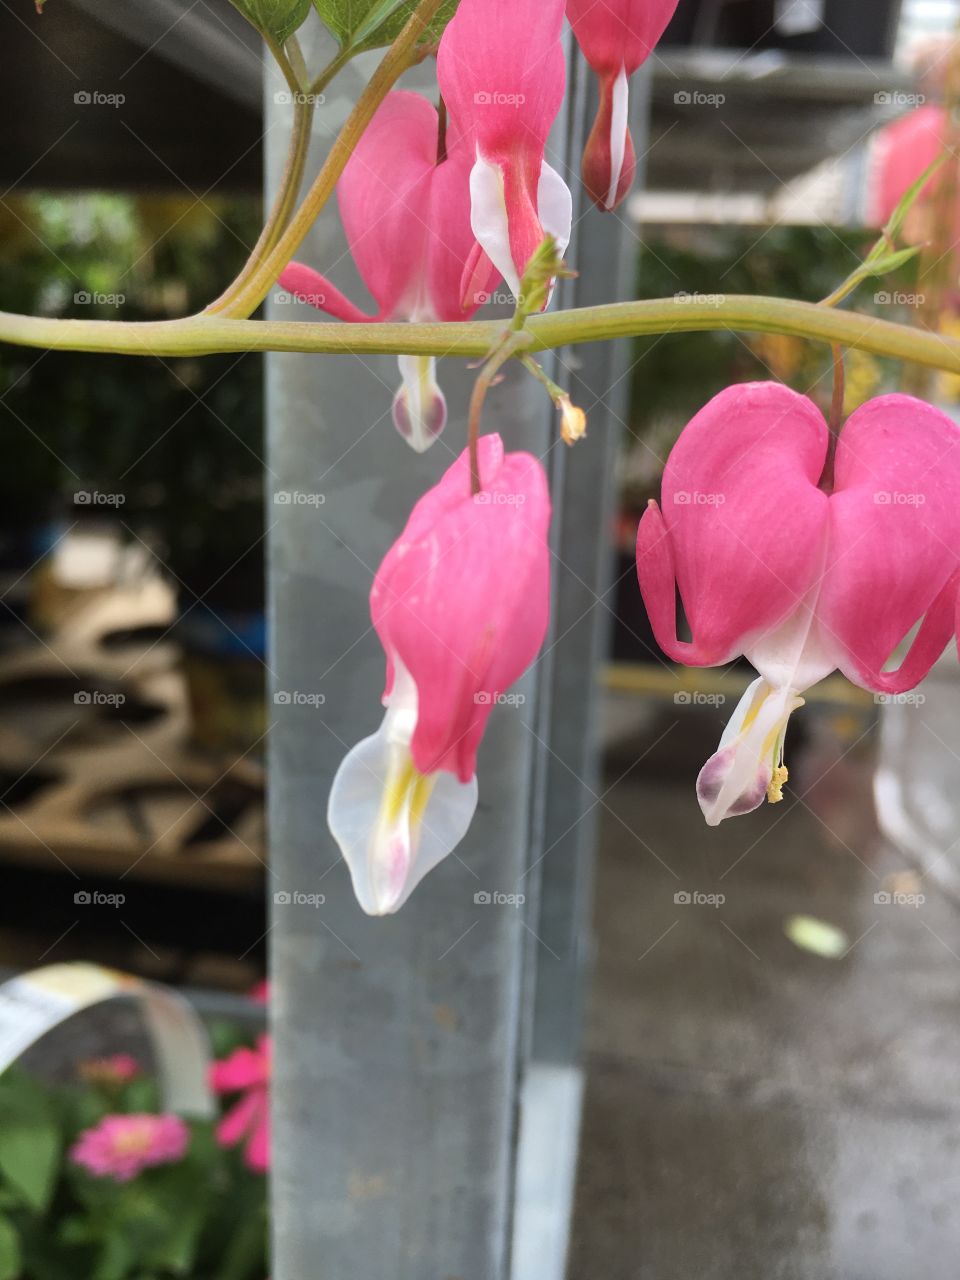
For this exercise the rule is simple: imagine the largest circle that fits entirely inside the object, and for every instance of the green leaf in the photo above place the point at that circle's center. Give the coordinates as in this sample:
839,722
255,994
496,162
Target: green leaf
890,262
899,215
370,24
117,1257
29,1143
275,19
29,1158
9,1251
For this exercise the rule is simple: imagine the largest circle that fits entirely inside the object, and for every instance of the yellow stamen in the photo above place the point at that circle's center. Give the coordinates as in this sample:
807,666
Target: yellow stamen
406,788
775,789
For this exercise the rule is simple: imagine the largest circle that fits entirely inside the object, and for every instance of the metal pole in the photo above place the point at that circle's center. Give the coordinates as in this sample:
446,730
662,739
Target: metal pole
399,1043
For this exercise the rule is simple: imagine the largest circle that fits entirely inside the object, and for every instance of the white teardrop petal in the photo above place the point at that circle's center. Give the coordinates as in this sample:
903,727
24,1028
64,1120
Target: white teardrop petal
419,407
392,823
488,219
619,116
555,206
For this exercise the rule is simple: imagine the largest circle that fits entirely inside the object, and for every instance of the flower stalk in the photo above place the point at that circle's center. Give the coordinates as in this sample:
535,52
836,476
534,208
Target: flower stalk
210,334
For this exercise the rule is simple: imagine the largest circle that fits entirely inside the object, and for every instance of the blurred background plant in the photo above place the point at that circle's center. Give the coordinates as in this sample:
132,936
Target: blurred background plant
97,1181
179,439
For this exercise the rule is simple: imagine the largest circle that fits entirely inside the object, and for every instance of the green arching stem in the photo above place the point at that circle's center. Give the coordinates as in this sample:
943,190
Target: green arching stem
304,103
211,334
284,204
401,55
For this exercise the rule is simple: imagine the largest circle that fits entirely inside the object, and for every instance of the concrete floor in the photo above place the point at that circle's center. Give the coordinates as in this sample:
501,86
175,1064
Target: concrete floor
755,1111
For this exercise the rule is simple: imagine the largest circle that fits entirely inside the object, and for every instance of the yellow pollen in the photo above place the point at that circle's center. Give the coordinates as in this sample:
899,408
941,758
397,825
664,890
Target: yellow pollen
775,789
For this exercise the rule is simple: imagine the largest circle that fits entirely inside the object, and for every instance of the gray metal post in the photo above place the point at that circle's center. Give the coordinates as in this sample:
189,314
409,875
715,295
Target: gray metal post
399,1043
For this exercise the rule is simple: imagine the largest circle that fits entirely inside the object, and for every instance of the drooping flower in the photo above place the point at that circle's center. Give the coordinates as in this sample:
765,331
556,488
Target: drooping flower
115,1070
502,74
800,573
460,604
122,1146
406,214
246,1071
616,37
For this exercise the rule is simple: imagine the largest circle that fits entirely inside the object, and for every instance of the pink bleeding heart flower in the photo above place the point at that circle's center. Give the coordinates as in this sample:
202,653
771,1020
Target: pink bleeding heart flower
246,1071
406,215
122,1146
616,37
460,604
502,74
801,574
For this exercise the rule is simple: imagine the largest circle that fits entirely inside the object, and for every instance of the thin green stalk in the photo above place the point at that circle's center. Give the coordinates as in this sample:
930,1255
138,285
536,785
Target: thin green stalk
211,334
304,104
512,341
401,55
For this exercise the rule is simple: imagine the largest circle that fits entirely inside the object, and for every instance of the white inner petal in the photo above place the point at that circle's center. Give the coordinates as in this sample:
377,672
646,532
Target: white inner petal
419,407
555,206
618,133
796,653
735,779
393,824
488,219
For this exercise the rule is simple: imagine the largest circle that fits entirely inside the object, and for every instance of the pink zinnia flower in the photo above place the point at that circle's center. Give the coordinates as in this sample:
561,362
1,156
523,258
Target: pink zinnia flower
246,1071
117,1069
120,1147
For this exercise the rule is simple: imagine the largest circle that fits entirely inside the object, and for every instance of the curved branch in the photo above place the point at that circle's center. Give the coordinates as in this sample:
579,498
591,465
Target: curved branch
209,334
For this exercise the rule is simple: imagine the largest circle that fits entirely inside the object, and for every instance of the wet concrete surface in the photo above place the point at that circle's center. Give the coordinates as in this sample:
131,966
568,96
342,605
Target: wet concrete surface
755,1110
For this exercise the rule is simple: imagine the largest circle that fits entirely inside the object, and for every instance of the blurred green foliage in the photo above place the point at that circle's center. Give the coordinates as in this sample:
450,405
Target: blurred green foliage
674,375
204,1216
180,439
